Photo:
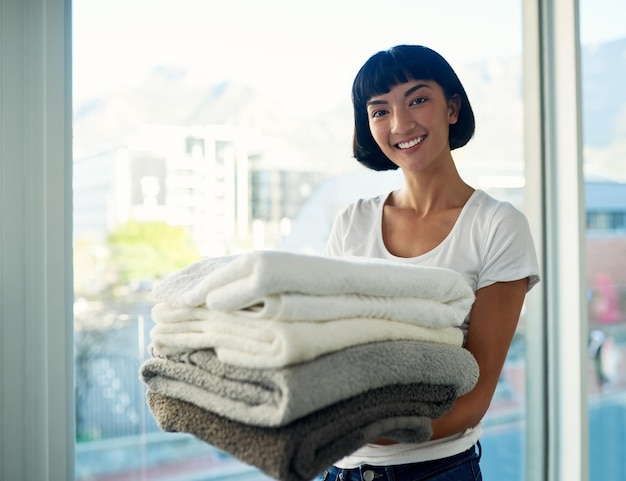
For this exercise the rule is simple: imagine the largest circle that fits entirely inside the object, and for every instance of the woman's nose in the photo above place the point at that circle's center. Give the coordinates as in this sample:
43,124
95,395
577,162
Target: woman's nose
402,122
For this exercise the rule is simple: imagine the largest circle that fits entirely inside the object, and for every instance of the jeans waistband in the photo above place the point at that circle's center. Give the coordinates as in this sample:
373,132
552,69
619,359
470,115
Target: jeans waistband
368,472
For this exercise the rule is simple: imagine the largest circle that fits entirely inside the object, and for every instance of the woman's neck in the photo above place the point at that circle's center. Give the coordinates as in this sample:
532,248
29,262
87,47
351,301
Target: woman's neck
430,192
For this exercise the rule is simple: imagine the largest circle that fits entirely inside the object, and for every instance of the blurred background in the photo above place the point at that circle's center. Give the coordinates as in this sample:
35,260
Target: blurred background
207,128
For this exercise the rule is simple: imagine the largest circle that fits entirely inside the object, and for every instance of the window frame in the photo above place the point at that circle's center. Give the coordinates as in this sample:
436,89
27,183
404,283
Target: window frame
557,439
36,292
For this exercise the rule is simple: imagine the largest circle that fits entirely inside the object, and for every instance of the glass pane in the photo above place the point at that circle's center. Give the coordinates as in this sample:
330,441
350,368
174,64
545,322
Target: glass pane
603,38
206,128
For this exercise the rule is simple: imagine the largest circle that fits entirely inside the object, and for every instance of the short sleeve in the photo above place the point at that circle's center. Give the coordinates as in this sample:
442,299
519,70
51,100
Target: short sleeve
334,244
509,251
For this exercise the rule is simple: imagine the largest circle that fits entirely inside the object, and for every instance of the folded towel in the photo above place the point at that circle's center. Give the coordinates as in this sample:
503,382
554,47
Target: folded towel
248,342
313,308
240,282
305,448
275,397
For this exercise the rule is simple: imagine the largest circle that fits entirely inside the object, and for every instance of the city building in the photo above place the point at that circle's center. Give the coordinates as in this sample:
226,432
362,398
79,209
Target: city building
216,181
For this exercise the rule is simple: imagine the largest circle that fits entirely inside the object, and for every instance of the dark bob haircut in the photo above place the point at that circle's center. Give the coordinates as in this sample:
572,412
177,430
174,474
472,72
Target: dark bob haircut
389,68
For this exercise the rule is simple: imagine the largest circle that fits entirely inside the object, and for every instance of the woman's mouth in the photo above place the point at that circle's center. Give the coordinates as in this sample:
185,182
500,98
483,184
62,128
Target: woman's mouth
410,143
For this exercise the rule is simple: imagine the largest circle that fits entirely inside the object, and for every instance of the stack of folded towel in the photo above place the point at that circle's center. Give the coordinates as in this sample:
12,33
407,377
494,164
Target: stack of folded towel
289,362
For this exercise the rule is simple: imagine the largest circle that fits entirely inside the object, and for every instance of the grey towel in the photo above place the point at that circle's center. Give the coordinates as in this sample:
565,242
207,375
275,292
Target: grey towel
301,450
275,397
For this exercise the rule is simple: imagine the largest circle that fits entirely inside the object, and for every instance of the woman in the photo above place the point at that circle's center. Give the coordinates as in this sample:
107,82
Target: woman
410,112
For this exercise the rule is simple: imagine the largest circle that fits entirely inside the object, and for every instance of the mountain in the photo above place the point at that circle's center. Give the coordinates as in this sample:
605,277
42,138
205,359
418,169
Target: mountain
181,96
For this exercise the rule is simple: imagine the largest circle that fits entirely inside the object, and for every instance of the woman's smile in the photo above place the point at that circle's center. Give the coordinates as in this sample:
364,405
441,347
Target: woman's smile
408,144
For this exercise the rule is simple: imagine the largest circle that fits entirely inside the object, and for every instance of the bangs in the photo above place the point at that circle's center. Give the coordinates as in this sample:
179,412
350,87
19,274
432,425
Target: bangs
384,71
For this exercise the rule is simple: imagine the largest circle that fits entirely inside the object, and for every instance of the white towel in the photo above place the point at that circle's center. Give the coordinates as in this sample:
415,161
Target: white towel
248,342
311,308
302,307
241,282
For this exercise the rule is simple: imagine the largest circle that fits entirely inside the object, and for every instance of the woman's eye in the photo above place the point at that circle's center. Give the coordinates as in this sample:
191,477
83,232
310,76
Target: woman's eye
378,113
418,100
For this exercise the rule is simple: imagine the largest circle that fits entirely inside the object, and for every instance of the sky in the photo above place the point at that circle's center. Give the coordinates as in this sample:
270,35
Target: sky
293,50
315,45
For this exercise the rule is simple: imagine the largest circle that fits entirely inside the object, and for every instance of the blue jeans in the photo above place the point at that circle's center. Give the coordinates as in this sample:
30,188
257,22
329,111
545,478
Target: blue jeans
460,467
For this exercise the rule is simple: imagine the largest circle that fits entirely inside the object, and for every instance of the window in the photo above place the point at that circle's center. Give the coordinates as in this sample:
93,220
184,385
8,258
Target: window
237,138
603,52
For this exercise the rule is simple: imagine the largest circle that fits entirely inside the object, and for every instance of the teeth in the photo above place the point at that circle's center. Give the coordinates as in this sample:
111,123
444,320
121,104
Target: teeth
411,143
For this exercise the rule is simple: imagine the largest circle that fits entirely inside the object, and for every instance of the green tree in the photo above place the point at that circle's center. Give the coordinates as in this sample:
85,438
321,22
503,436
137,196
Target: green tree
149,250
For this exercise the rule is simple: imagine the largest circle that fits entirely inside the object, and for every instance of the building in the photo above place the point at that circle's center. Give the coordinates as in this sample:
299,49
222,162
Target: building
213,180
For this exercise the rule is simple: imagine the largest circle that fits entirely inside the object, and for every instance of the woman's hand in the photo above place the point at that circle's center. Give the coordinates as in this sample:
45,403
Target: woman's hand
494,318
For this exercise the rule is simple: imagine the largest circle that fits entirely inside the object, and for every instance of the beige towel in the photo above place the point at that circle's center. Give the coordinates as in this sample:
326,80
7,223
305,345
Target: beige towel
305,448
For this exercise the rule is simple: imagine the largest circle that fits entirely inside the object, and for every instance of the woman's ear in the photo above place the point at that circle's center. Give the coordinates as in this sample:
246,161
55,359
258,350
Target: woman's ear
454,107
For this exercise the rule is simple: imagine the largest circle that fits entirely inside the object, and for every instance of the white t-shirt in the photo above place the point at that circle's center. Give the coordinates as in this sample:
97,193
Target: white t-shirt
490,242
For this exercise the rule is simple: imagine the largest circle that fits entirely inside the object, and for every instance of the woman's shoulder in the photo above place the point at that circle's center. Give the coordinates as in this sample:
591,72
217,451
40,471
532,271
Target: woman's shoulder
493,206
363,206
355,223
488,216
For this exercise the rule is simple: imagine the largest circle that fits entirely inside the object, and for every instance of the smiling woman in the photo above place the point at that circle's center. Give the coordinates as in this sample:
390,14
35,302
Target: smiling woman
418,111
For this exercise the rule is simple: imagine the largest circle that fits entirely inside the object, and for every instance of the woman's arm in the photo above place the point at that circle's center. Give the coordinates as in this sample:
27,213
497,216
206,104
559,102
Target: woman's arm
494,318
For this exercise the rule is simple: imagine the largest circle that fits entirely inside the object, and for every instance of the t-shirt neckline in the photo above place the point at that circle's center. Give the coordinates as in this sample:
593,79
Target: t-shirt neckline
438,247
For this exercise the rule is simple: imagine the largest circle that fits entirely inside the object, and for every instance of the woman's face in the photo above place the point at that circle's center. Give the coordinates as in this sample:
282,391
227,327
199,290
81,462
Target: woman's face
410,124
